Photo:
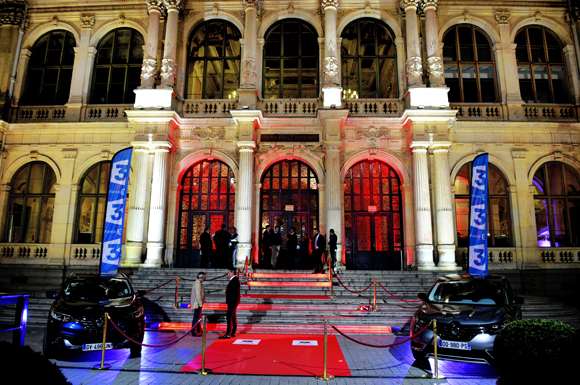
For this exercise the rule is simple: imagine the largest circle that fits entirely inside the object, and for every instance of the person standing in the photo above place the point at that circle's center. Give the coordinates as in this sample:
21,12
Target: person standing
196,303
266,247
291,245
276,244
319,245
222,243
332,240
206,246
232,300
233,248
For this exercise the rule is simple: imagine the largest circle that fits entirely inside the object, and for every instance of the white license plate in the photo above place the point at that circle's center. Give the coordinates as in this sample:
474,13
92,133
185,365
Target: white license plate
87,347
454,345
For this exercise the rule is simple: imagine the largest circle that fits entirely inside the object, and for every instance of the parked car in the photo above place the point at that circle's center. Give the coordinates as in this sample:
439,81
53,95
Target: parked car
469,313
76,318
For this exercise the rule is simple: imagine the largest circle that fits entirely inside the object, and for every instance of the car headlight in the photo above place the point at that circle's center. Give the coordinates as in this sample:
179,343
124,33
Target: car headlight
418,322
138,313
495,328
59,316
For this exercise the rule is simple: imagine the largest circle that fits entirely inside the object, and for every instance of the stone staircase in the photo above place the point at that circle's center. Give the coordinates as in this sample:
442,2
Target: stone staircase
286,302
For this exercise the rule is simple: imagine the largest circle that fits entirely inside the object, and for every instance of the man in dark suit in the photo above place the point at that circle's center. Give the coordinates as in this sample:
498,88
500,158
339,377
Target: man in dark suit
206,246
319,245
291,244
222,243
266,248
332,240
232,300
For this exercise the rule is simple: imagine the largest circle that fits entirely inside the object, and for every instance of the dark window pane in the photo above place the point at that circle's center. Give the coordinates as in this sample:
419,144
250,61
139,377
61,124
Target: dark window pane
526,89
388,78
542,82
559,85
487,84
469,79
554,171
195,80
215,41
213,81
273,43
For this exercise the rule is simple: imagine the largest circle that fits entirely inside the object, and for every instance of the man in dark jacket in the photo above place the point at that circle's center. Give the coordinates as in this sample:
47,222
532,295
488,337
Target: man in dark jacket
318,247
291,244
332,240
232,300
222,243
266,248
206,246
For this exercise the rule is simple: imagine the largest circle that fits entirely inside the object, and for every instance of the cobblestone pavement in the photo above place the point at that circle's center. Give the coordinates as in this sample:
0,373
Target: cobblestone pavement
368,365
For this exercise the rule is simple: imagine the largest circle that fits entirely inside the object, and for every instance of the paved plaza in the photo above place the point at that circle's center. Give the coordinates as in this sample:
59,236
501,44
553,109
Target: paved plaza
368,365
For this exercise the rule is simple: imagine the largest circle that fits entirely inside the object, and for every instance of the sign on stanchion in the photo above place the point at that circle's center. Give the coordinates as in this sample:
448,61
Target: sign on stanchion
325,376
104,366
203,371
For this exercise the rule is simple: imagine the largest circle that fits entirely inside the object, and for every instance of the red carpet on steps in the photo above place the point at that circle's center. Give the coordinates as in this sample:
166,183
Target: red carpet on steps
273,355
285,296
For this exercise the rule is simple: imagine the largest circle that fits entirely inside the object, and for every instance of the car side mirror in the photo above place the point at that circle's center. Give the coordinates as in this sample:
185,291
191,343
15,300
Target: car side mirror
141,293
422,296
51,294
519,300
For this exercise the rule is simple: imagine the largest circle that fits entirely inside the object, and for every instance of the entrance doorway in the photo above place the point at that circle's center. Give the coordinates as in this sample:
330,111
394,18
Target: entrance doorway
373,212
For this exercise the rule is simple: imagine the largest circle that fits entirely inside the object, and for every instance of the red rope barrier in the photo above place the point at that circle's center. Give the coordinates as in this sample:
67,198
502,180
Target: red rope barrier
153,346
380,346
155,288
213,279
354,292
392,295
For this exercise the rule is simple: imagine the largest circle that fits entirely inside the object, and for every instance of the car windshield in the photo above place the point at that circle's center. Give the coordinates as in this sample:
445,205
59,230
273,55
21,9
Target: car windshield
473,292
97,289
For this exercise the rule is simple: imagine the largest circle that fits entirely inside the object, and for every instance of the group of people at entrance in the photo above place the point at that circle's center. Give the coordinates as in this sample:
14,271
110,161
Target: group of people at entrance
310,253
226,246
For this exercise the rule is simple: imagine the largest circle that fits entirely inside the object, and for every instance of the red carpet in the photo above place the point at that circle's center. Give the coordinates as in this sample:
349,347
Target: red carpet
285,296
280,328
273,355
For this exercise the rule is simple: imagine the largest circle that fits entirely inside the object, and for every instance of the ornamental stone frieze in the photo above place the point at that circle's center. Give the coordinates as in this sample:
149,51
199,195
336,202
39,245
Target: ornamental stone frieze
330,70
168,71
249,73
414,69
12,12
290,8
435,69
266,150
503,17
87,21
373,134
209,134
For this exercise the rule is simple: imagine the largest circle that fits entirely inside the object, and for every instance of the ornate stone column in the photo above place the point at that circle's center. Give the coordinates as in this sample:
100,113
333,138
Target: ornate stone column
334,198
330,66
168,64
136,217
149,68
249,75
414,61
443,206
244,202
423,228
156,234
434,62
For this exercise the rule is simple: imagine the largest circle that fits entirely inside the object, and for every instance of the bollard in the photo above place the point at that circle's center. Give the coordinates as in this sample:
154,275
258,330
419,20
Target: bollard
375,297
104,366
325,377
176,288
203,371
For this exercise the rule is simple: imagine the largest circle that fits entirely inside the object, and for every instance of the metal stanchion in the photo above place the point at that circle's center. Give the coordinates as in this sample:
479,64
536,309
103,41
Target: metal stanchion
375,297
435,344
176,288
104,366
203,371
330,278
325,376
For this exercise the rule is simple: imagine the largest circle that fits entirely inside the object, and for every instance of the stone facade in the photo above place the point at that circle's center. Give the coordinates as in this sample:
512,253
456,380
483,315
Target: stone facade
421,134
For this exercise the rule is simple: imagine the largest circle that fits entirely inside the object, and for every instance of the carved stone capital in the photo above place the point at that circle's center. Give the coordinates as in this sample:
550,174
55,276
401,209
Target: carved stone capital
409,4
174,4
12,12
155,5
428,3
87,21
252,4
330,71
329,3
249,73
503,17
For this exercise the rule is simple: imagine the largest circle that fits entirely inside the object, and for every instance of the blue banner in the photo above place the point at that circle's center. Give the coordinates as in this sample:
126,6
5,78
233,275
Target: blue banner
115,212
478,264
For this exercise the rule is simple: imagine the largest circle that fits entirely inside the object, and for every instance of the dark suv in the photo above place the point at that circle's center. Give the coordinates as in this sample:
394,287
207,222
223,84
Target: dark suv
76,317
469,314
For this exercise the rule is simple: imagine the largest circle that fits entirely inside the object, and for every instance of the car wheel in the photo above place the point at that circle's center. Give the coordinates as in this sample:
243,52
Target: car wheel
418,355
50,348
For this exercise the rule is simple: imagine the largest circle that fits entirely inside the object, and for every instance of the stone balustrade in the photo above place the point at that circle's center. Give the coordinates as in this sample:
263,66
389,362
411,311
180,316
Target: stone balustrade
294,107
374,107
194,108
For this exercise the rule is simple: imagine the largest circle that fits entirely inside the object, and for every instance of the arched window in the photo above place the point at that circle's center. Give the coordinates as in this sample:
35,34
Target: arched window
50,69
117,67
291,60
369,60
213,69
92,204
557,205
498,219
31,204
541,66
469,65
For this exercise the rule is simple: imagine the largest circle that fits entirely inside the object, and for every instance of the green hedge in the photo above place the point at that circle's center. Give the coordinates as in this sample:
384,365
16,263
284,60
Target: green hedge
532,351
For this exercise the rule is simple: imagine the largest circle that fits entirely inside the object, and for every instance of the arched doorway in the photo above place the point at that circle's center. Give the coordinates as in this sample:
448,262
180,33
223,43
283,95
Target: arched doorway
373,217
289,198
207,199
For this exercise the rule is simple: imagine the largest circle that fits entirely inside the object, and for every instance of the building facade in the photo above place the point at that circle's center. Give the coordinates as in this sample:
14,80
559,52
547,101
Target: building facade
358,117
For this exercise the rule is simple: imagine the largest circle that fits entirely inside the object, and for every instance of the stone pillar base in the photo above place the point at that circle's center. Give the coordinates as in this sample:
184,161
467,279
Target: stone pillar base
244,251
431,97
424,256
158,98
154,255
133,252
247,98
447,258
332,97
